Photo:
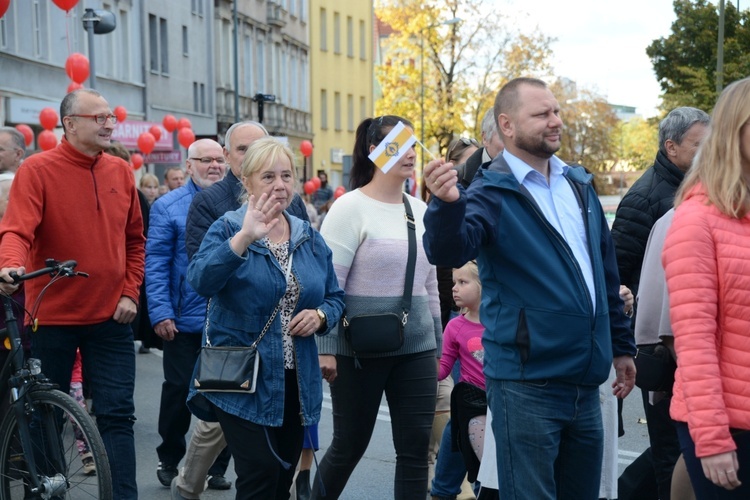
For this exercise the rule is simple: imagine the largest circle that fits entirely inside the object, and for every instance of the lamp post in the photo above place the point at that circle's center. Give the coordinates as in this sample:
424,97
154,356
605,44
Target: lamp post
421,73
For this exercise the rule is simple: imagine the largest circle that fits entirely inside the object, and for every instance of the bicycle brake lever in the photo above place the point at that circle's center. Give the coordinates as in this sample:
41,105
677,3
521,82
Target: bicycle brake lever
81,274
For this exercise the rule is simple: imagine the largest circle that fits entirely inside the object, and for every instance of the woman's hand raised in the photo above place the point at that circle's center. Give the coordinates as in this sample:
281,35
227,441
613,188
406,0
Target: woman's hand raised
261,216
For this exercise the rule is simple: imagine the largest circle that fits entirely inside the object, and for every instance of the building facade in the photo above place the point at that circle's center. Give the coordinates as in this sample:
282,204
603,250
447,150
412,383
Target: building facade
171,57
341,79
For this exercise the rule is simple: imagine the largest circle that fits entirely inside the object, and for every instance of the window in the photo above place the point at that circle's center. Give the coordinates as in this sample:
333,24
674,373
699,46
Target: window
323,109
163,45
203,97
153,41
323,30
196,104
196,7
199,97
337,110
336,33
362,41
349,36
304,81
362,108
5,27
185,45
303,10
292,7
260,65
227,54
248,65
158,44
124,44
40,29
350,113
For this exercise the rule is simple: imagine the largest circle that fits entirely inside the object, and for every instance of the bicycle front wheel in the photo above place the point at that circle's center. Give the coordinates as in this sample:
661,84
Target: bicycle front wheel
71,461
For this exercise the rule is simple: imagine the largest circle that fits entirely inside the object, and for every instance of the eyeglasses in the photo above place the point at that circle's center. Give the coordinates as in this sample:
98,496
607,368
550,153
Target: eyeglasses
207,160
461,140
2,149
100,119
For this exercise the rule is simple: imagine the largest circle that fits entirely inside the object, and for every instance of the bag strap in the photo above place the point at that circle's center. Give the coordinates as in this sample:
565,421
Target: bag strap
411,261
254,345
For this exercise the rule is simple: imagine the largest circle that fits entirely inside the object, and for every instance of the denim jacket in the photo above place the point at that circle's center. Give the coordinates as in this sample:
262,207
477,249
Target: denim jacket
244,290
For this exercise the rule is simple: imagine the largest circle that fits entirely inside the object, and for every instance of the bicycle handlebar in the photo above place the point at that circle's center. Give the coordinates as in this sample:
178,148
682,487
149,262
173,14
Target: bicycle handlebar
53,268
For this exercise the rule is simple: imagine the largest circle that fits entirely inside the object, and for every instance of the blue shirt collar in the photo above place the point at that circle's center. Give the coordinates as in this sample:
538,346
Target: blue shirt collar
521,169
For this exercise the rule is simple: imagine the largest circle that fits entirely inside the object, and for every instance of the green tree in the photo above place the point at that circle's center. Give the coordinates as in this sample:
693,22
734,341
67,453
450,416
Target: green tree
639,142
685,61
465,63
589,127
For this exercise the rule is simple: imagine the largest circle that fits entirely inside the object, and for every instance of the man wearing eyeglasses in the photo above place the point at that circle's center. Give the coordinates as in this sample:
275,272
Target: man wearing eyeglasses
12,149
76,202
177,312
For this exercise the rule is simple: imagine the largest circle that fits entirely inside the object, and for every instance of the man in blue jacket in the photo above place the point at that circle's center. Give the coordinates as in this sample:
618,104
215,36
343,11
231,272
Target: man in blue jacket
551,310
176,311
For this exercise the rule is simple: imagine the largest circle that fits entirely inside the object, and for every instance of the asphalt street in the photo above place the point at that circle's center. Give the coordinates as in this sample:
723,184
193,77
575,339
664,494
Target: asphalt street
373,477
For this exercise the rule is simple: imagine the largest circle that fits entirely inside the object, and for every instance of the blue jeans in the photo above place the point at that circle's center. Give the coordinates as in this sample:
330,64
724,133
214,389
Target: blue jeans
109,371
702,486
449,468
549,439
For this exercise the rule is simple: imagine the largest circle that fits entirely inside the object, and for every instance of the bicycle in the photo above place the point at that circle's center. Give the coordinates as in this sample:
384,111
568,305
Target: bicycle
38,453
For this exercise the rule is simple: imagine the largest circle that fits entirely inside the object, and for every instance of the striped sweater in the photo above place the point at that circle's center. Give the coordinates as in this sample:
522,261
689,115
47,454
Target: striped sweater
370,247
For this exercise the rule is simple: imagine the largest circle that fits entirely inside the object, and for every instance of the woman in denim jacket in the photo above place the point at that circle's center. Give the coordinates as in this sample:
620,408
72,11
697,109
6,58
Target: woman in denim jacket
251,261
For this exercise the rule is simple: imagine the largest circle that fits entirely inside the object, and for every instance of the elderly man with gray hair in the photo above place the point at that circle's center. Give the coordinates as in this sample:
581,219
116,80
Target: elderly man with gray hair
492,145
680,135
12,149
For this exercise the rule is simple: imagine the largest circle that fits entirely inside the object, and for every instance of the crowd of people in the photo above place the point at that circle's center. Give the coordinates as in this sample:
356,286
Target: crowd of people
502,280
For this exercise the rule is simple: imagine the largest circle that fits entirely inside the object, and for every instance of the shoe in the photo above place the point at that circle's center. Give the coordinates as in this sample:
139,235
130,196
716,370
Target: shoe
165,473
143,349
89,468
218,482
302,484
174,492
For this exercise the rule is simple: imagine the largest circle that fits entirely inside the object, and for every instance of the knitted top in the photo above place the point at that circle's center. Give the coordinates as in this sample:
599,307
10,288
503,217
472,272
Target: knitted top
370,247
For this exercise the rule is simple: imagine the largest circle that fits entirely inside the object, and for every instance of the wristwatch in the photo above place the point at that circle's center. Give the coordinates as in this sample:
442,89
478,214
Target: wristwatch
322,317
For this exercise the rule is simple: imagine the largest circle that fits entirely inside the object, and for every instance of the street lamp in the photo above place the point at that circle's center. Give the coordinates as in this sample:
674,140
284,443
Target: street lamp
99,22
421,60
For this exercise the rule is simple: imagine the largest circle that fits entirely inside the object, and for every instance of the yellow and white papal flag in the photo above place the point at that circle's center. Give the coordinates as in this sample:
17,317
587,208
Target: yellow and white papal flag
393,147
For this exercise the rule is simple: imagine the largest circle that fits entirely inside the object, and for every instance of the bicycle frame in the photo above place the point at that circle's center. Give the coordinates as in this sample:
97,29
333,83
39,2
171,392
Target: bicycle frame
21,377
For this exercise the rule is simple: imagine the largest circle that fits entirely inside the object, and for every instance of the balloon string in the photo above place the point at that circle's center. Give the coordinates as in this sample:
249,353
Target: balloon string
67,30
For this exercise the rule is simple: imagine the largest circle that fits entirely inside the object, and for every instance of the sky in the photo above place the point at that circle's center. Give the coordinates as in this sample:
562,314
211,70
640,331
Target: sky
601,44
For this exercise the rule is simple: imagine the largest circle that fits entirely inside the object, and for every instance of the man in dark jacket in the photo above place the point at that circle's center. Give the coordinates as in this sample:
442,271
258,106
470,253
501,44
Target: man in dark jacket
680,134
492,145
553,318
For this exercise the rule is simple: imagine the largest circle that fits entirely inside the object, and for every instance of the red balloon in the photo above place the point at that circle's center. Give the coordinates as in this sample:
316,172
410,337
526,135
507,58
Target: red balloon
46,140
77,67
4,4
306,148
339,192
28,134
146,142
317,182
185,137
184,123
155,131
309,187
74,86
137,160
65,5
121,113
48,118
170,123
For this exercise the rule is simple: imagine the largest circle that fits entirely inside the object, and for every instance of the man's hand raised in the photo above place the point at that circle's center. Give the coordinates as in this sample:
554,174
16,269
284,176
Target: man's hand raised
441,178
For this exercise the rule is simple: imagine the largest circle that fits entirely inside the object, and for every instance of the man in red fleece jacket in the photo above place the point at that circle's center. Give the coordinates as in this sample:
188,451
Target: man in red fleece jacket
76,202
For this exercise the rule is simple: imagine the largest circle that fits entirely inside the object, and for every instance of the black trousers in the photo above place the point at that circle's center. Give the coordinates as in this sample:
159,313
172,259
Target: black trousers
259,451
179,359
410,386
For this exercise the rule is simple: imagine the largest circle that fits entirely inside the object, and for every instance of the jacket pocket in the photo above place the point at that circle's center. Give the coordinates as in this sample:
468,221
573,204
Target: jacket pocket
523,340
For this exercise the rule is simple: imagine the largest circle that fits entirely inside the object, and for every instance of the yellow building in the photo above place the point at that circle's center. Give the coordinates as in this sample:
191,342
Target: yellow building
341,81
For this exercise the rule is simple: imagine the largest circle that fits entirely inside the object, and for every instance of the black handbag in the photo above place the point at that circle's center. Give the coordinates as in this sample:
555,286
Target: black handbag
232,368
229,368
655,368
382,333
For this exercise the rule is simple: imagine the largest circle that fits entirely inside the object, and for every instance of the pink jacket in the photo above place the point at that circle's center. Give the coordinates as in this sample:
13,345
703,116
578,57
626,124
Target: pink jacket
707,264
